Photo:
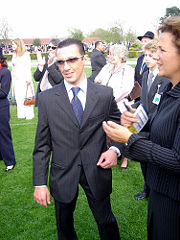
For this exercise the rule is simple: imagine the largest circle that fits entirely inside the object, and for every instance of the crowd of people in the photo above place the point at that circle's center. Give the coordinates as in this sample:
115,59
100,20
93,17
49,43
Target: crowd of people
85,126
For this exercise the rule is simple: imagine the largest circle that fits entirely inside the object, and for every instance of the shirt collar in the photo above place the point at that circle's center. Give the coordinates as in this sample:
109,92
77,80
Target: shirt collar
173,91
82,85
155,72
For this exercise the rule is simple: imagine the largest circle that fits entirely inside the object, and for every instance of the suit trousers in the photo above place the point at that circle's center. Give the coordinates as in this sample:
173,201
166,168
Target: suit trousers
144,170
163,217
101,209
6,146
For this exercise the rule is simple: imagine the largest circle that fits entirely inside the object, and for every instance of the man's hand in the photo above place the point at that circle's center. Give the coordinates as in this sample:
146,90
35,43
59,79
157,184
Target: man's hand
127,118
42,196
108,159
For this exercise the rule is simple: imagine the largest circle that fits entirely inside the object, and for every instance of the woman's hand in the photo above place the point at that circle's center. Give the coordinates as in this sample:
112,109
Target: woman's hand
127,118
51,59
41,60
28,83
116,132
98,81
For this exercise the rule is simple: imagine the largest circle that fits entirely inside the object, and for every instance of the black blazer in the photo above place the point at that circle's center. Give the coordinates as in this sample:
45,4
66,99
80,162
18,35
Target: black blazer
97,63
5,83
137,75
54,76
162,152
147,97
6,147
72,146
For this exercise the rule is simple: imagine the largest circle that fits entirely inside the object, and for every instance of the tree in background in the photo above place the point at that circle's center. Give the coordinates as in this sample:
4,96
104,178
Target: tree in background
117,32
130,37
170,12
114,34
36,42
5,29
100,33
76,33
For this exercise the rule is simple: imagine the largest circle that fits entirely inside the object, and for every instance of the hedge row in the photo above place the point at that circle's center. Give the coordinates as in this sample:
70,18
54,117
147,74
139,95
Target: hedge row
132,54
33,56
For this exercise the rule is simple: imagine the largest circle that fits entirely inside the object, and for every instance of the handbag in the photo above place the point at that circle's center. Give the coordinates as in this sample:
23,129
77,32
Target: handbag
135,93
29,100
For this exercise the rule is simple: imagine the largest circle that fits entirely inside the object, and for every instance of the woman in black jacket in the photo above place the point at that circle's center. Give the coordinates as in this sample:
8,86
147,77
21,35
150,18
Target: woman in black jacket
47,72
161,150
6,146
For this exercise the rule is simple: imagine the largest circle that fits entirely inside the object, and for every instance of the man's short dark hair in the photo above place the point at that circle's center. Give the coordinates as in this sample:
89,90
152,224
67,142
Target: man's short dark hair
54,41
72,41
97,43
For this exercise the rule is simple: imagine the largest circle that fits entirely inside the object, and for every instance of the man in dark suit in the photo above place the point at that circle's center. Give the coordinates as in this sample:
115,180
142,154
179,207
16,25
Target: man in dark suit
70,126
152,89
141,65
97,59
47,72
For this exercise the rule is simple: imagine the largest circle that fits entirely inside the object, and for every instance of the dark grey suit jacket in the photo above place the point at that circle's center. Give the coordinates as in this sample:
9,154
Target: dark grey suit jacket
97,63
137,75
72,146
147,97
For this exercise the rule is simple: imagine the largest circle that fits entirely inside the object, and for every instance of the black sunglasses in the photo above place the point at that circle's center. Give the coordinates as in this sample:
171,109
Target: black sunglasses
51,47
69,61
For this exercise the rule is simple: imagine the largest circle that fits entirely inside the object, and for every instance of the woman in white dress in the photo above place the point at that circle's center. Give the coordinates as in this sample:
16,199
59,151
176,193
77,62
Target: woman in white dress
21,79
120,76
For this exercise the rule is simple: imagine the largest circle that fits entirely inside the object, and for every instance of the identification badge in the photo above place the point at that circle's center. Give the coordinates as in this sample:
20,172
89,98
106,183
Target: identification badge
157,98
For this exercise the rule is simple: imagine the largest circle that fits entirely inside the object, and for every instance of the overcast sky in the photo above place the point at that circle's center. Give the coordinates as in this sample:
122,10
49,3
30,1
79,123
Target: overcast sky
46,19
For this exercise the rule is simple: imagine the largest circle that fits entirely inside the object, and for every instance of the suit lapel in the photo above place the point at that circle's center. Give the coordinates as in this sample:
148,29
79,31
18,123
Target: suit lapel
62,100
157,81
91,101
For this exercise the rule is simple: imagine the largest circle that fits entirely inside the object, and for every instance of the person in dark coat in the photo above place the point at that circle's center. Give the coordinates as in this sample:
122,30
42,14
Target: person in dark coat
161,150
47,72
6,146
97,59
70,127
141,66
149,96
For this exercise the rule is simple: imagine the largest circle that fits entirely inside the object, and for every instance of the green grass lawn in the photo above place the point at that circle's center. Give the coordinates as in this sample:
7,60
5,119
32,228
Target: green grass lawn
23,219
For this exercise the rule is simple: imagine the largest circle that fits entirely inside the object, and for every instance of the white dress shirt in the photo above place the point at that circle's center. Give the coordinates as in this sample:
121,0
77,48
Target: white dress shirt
155,73
81,94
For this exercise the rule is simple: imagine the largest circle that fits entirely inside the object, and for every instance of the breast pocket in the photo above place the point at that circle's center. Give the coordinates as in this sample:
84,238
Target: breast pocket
97,119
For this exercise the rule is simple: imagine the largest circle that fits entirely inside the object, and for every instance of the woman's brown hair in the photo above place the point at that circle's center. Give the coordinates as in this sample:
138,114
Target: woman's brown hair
172,25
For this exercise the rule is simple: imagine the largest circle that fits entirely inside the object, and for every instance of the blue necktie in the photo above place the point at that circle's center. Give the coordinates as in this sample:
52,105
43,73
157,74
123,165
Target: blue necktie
77,106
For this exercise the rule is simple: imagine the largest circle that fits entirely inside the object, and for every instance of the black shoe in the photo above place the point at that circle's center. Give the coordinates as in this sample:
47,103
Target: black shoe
142,195
9,168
